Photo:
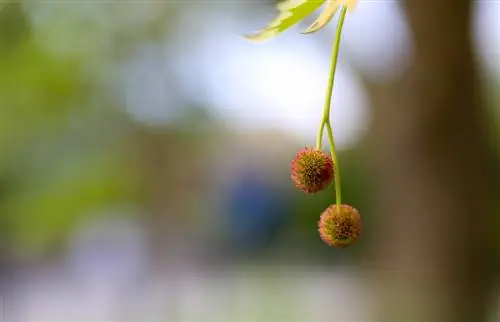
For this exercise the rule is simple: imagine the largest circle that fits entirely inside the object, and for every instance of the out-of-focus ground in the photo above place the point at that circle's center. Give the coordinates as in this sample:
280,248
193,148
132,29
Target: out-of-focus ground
145,150
267,293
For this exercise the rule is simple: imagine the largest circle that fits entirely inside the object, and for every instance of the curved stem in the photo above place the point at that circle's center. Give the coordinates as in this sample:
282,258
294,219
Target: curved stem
325,121
338,193
319,143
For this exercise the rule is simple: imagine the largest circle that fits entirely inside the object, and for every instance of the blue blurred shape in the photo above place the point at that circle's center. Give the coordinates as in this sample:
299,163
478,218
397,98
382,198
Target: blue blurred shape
256,211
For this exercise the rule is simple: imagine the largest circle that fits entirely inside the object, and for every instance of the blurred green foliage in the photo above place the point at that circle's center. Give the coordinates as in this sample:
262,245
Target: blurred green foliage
52,171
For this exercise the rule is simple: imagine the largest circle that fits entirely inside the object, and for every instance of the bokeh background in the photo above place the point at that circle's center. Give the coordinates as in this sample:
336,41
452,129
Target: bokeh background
145,150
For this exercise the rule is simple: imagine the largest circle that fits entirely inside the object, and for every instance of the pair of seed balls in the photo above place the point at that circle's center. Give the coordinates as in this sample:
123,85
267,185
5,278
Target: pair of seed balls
313,171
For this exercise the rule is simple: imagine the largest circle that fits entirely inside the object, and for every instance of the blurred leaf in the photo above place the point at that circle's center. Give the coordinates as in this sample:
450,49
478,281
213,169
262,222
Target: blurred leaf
38,94
291,13
45,211
324,17
350,4
13,26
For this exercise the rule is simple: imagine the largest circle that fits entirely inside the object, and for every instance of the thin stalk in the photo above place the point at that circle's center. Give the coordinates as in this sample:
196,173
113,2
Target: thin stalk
338,192
325,121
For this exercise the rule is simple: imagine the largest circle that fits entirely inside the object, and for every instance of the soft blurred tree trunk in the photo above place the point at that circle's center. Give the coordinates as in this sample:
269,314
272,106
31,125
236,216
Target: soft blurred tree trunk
431,161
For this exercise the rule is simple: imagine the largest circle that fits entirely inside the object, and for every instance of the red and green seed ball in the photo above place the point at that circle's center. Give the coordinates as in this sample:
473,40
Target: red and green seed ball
312,170
340,228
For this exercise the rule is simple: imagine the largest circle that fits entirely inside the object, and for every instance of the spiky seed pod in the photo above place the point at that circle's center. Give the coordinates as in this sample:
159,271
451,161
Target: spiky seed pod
312,170
340,229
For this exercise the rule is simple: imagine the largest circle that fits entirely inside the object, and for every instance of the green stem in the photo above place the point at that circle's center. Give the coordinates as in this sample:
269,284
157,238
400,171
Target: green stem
319,144
338,193
325,121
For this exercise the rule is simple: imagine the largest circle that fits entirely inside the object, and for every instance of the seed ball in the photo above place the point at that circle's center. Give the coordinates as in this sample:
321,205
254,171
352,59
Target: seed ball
340,228
312,170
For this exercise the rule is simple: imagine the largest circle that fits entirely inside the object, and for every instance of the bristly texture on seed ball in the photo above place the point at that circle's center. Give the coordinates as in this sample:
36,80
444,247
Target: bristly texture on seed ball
340,229
312,170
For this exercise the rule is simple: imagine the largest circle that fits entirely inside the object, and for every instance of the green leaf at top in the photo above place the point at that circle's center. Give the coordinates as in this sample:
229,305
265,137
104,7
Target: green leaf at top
325,16
291,12
332,7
